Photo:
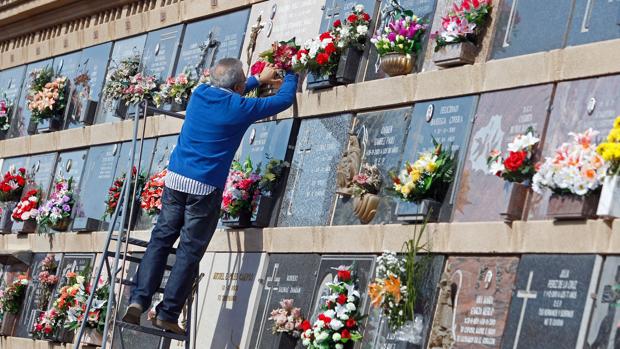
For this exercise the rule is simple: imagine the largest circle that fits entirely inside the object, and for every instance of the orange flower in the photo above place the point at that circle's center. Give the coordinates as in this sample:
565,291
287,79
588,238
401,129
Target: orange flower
375,290
392,286
71,274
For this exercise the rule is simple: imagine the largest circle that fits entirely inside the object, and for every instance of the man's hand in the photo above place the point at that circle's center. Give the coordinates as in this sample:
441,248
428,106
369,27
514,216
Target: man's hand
269,76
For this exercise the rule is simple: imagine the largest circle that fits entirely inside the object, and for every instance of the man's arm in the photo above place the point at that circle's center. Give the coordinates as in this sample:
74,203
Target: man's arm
251,84
260,108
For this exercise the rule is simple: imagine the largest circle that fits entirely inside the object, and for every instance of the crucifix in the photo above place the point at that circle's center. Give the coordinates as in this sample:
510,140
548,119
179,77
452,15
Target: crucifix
305,148
254,31
208,46
526,295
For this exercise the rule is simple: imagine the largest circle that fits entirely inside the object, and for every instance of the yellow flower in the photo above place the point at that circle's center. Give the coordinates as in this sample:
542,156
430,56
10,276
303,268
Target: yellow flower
617,122
431,167
614,135
415,175
406,190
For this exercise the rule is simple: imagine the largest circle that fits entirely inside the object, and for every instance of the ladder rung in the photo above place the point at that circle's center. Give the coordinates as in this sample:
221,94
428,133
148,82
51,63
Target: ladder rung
141,243
153,331
131,283
133,259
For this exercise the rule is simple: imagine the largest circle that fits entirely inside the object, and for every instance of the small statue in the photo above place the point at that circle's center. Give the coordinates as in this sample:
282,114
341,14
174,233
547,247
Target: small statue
256,28
348,166
441,331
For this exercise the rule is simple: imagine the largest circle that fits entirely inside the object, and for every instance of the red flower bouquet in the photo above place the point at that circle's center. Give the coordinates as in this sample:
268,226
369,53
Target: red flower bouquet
242,190
281,56
518,166
12,184
152,193
114,192
27,208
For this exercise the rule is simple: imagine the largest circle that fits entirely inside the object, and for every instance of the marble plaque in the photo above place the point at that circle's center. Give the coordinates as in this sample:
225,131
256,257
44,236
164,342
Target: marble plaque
8,274
209,40
41,170
71,165
281,20
381,136
122,49
264,141
163,150
498,120
97,177
148,147
228,298
32,302
68,65
551,301
87,85
10,87
603,332
577,106
289,276
530,26
594,21
17,162
422,8
480,290
448,121
20,122
308,198
160,51
378,334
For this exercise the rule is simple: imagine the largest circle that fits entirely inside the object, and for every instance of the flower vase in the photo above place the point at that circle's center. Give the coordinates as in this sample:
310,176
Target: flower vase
609,203
121,109
564,207
87,115
263,211
61,335
178,107
24,227
3,134
455,54
154,219
365,207
345,73
394,64
52,124
287,341
244,220
8,324
92,337
62,225
417,212
516,194
5,216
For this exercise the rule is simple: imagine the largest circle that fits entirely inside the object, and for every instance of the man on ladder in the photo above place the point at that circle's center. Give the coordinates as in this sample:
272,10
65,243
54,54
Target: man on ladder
217,118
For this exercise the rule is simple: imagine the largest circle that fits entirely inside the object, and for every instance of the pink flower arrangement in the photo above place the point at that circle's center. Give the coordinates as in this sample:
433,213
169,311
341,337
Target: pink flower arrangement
402,35
140,87
46,94
575,168
462,22
27,208
287,319
242,189
368,180
47,280
59,205
176,89
5,121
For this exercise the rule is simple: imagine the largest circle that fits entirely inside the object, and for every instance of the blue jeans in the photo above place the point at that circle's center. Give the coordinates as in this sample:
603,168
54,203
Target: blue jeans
192,217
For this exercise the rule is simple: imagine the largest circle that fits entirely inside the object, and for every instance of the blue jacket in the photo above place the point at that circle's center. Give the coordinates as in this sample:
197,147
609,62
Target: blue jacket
215,123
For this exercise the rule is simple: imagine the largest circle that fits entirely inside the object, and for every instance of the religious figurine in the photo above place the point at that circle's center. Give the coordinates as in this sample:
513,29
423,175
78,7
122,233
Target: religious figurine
348,166
441,331
256,28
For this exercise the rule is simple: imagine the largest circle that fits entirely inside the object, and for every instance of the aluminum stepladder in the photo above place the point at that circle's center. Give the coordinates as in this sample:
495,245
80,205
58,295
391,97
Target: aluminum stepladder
122,237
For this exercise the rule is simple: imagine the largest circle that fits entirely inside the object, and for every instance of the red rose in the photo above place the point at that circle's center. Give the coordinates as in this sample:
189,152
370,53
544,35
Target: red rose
351,323
322,58
352,18
326,35
345,334
330,48
48,329
21,181
305,326
344,275
515,160
366,17
337,23
342,299
22,170
258,67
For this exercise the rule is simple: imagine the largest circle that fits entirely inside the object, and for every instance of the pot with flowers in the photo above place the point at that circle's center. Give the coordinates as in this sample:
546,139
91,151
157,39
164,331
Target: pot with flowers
11,188
150,198
609,203
6,107
55,213
95,319
517,169
10,303
269,186
287,321
455,42
241,195
281,56
334,57
365,189
338,323
47,280
574,174
398,43
25,214
113,198
175,91
422,186
47,99
126,85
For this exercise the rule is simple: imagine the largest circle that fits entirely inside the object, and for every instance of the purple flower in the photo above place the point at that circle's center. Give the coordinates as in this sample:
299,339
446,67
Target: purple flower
66,198
392,37
66,207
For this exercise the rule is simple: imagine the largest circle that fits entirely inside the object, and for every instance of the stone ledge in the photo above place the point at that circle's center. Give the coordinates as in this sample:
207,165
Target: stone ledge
24,343
593,236
583,61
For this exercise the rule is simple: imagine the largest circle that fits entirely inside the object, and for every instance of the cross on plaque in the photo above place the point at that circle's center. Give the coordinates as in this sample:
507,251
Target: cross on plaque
271,284
208,46
526,295
305,147
333,12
